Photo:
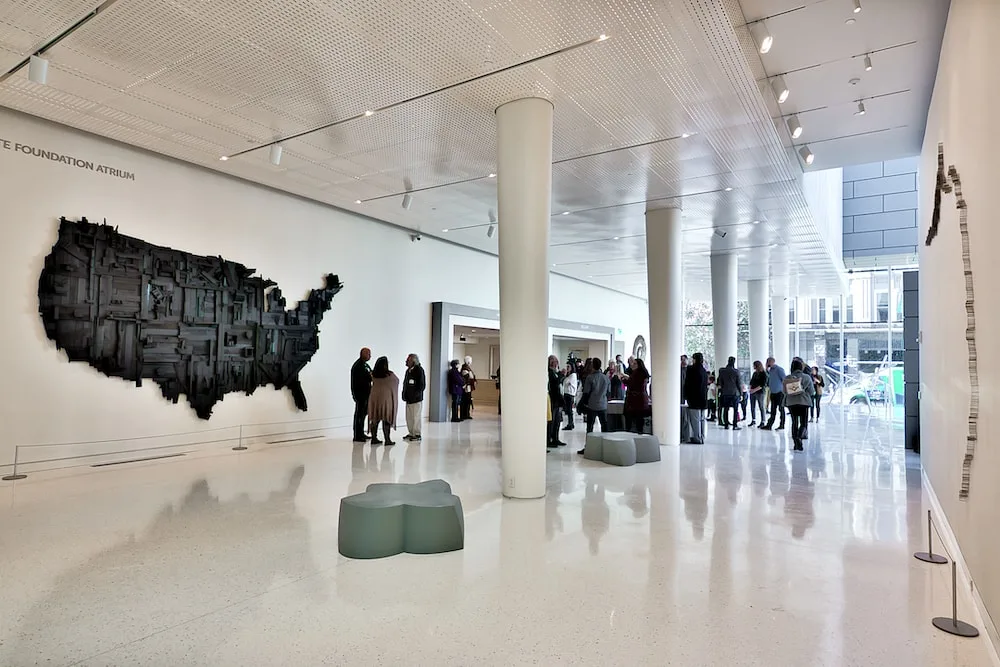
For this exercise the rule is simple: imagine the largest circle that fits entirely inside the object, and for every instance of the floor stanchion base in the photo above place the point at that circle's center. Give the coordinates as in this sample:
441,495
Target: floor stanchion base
960,628
11,478
937,559
239,448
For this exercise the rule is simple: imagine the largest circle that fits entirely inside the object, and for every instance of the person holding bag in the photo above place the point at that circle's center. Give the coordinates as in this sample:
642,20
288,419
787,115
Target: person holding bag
798,390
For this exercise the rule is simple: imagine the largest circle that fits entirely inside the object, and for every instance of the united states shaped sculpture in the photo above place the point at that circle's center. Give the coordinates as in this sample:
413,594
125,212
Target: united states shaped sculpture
195,325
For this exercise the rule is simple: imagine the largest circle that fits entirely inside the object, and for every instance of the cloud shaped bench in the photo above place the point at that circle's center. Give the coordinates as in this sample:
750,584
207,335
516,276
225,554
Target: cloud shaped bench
388,519
622,449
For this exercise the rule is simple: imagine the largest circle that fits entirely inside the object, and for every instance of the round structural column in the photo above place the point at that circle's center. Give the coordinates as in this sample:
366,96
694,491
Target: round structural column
779,330
724,295
666,316
759,339
524,193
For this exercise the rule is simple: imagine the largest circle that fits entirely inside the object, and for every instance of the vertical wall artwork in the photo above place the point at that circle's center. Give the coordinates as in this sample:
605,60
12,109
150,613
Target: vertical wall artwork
946,183
194,325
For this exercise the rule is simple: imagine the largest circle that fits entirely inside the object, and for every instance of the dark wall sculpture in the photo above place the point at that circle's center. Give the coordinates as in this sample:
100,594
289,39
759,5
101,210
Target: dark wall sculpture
945,185
194,325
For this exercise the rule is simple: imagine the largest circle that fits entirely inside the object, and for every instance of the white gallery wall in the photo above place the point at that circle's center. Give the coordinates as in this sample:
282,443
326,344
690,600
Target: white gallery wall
390,283
963,117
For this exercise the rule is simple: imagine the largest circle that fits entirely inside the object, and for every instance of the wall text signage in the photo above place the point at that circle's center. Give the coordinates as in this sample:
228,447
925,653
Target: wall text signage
70,160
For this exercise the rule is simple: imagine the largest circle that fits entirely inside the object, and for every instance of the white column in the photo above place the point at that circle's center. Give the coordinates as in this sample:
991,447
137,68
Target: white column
779,330
724,295
759,343
524,193
666,312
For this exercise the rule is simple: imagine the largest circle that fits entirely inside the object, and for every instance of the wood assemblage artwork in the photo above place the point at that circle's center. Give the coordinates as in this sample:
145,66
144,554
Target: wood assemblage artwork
194,325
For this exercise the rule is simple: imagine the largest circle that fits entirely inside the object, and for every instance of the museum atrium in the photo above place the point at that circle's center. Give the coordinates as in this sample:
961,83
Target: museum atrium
282,279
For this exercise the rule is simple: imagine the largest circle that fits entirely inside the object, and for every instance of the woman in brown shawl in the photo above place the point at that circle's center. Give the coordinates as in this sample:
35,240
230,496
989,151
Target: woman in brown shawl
384,401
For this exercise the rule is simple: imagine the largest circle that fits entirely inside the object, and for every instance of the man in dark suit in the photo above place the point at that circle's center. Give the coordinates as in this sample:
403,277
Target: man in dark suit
696,395
361,389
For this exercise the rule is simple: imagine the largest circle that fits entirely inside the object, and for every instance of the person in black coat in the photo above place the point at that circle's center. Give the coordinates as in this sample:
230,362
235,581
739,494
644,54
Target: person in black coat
414,384
361,391
556,397
696,396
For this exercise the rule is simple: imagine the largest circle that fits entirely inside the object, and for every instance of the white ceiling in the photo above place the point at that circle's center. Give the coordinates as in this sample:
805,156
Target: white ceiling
819,53
198,79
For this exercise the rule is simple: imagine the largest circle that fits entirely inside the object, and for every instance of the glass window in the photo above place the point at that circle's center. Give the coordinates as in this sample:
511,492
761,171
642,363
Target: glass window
791,311
882,306
835,310
822,311
850,308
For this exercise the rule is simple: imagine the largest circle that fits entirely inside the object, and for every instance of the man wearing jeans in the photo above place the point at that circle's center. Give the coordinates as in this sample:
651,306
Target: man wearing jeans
775,381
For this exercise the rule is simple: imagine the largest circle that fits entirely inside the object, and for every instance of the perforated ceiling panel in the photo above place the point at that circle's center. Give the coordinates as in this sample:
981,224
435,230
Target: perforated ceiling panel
198,80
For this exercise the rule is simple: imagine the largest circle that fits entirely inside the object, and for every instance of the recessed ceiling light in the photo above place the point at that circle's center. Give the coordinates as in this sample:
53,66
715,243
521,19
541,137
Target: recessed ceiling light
616,238
492,176
780,89
565,212
369,112
774,245
729,189
685,135
224,158
794,126
602,37
857,6
755,222
357,201
761,36
868,63
473,331
861,109
445,231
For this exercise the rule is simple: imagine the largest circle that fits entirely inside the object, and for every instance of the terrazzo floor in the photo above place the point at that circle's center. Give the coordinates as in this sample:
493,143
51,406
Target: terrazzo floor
738,552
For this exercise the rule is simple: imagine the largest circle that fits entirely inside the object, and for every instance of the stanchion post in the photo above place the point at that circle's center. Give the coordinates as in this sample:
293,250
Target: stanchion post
952,625
240,447
13,476
929,556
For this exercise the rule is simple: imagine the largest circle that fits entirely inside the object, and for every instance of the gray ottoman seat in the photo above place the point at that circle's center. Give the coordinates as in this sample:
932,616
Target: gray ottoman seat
621,448
388,519
647,448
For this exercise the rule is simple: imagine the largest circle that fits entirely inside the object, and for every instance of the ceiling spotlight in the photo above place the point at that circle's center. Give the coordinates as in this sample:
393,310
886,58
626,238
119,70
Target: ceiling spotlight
755,222
851,21
794,126
565,212
721,234
38,70
224,158
616,238
780,89
492,176
445,231
357,201
868,63
861,109
602,38
491,231
407,201
807,155
276,154
761,36
728,189
857,6
685,135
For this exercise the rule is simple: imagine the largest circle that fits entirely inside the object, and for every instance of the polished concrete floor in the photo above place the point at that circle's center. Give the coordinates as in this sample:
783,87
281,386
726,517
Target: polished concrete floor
735,553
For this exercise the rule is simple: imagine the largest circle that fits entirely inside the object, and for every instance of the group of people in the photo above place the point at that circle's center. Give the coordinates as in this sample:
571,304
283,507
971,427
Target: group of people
585,387
800,391
376,398
461,385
